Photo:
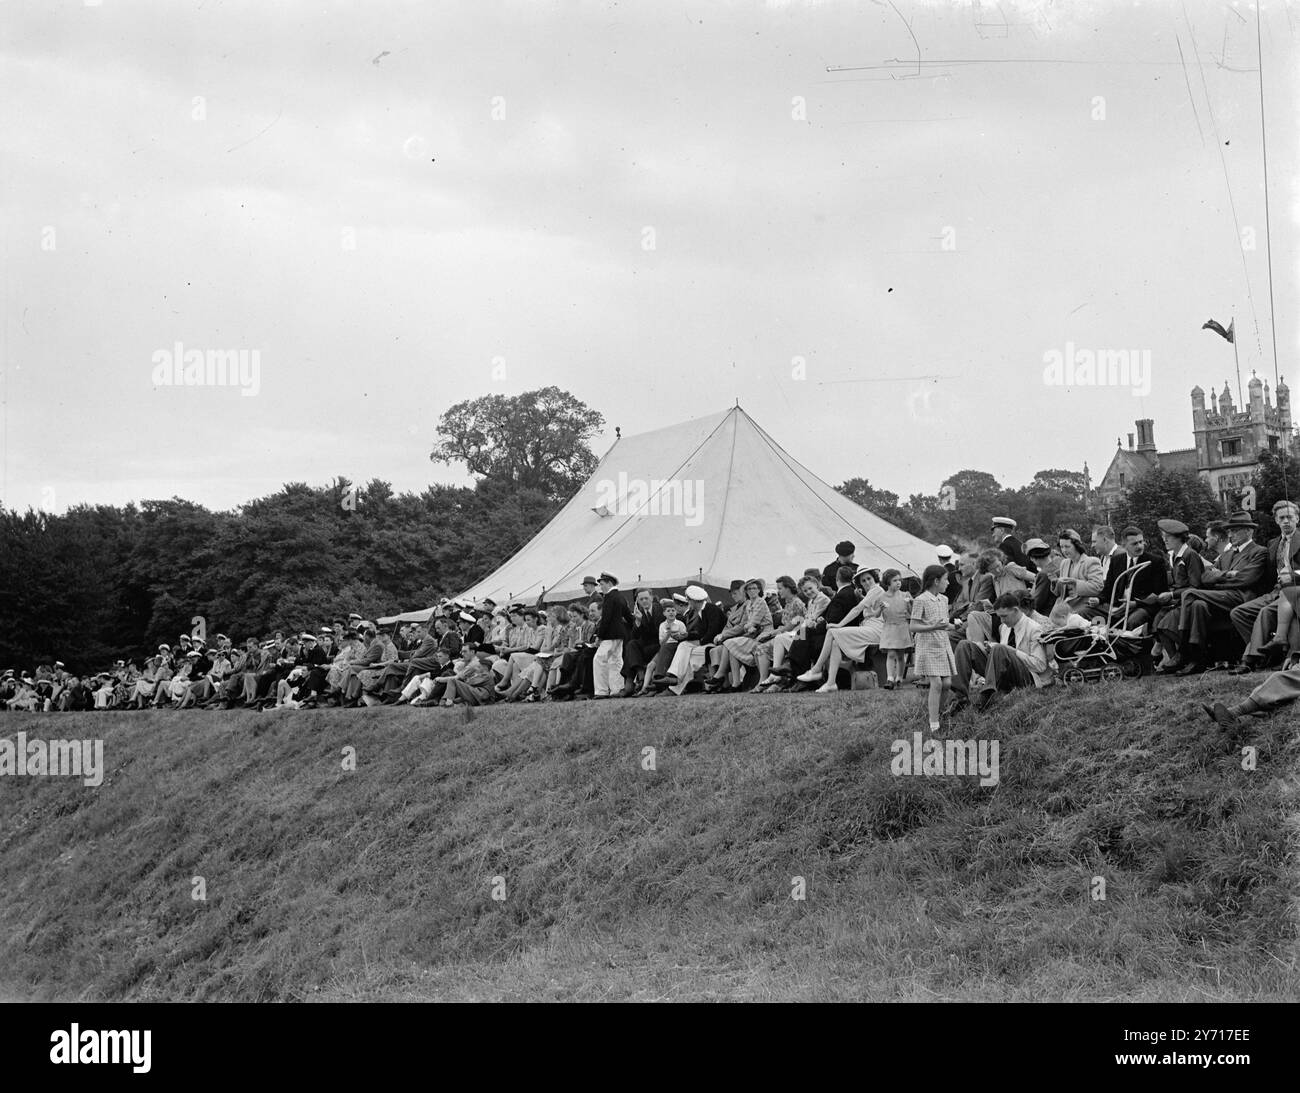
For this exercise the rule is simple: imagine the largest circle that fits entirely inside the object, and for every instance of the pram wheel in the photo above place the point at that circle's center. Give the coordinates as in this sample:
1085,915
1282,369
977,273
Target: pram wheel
1072,675
1131,669
1112,673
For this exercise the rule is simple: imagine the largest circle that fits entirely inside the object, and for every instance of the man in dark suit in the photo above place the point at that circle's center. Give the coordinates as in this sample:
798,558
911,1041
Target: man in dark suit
1105,548
614,628
1231,581
1186,569
1256,619
1138,583
843,557
1114,560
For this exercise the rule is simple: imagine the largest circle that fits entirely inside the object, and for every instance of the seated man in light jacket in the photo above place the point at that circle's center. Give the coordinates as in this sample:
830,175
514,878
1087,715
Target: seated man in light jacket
1015,658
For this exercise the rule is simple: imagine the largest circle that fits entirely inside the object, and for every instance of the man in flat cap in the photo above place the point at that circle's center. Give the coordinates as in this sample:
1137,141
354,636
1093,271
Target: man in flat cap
614,628
843,556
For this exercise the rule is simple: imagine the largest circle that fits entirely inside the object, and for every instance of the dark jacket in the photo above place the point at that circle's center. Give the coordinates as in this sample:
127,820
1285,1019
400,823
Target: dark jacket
828,574
1015,552
1273,547
615,618
707,625
645,628
1185,572
844,601
1147,583
1250,563
953,589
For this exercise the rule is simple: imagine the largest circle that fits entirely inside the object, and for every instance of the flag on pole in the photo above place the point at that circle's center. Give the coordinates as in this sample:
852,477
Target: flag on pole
1229,334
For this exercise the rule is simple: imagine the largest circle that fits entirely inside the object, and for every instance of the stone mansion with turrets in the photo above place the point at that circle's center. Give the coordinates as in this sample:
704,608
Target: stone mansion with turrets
1229,442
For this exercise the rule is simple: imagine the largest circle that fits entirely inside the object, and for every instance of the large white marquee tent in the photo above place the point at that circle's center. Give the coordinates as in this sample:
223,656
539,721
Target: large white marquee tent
702,502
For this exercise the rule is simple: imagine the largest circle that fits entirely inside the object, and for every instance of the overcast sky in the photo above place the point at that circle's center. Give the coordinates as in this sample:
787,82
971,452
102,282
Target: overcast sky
660,207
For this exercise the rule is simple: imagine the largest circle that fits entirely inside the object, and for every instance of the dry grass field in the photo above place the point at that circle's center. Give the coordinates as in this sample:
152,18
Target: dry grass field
619,882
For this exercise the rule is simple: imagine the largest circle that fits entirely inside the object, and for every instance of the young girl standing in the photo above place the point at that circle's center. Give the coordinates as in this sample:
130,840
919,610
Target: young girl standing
929,622
896,637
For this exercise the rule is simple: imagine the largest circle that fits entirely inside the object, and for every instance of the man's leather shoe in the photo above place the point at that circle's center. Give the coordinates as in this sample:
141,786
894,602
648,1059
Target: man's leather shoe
1195,668
1224,718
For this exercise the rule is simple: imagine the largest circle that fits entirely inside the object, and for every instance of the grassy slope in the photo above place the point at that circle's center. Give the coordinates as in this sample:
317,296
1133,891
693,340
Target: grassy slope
628,884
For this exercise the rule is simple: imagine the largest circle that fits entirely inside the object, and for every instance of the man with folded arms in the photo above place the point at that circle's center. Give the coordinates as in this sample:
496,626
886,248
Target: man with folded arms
1231,581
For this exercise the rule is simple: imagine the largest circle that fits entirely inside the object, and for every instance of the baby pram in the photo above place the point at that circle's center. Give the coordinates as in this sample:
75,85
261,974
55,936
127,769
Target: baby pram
1103,652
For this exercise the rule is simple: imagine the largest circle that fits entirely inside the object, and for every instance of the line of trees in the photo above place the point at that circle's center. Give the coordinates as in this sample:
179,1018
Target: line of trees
101,582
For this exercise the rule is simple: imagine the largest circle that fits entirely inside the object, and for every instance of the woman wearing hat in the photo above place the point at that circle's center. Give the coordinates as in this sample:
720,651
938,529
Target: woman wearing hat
740,651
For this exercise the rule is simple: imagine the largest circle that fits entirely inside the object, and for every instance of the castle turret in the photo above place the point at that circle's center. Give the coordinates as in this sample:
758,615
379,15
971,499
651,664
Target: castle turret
1283,393
1214,401
1225,400
1255,397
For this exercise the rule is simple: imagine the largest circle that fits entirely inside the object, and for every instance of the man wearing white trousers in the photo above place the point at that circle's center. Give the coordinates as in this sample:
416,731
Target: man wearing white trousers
614,628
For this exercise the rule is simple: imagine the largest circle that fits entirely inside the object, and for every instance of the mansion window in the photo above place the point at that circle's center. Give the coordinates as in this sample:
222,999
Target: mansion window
1231,447
1272,444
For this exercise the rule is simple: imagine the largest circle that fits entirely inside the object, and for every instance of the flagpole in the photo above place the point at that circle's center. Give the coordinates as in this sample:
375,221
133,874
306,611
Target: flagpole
1232,325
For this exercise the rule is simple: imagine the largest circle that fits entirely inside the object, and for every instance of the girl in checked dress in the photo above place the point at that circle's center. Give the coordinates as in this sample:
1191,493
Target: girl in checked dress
896,637
929,623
